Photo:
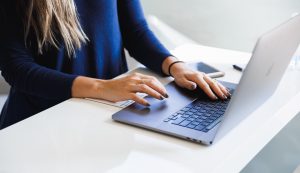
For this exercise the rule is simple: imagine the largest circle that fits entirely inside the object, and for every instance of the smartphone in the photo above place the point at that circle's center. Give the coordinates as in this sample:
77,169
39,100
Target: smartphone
208,69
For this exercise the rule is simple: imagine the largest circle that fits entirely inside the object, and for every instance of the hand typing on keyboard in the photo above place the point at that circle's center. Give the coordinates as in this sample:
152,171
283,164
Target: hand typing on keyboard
190,79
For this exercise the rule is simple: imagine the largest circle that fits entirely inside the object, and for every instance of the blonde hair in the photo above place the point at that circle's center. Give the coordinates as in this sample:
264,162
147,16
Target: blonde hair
51,18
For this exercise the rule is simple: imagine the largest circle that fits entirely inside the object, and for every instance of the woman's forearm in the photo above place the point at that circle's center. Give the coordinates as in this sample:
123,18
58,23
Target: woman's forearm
124,88
85,87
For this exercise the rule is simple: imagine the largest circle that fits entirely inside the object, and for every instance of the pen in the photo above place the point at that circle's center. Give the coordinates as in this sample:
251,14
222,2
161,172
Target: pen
237,67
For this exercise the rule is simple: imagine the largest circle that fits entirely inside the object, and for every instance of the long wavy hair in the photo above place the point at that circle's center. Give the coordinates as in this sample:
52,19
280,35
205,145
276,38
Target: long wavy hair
49,19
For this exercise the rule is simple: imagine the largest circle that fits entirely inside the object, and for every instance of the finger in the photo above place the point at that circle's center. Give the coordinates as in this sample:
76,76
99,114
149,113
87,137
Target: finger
224,89
143,88
184,83
139,100
155,84
215,87
203,85
143,76
136,74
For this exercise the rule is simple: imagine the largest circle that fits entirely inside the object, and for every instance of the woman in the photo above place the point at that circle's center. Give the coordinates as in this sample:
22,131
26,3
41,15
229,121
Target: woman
52,50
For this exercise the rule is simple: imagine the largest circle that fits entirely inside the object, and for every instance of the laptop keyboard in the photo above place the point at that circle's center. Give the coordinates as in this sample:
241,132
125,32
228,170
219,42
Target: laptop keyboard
201,115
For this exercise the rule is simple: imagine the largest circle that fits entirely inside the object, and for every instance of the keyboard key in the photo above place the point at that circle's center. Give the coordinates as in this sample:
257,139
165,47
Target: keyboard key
189,113
205,123
208,107
185,116
198,120
186,109
189,106
205,130
194,116
210,120
174,118
199,127
167,120
214,117
178,120
198,108
214,124
211,111
191,119
184,123
219,114
193,110
203,118
191,126
180,112
208,114
195,123
199,113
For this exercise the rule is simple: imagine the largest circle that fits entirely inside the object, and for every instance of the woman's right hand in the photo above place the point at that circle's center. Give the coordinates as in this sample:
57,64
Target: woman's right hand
120,89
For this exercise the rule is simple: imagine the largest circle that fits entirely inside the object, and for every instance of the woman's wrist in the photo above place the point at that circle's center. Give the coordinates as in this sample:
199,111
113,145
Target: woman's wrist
167,63
171,65
177,68
85,87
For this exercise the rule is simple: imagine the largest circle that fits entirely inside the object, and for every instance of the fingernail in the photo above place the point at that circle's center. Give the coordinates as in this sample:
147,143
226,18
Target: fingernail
161,98
224,96
229,95
193,87
216,98
147,104
166,95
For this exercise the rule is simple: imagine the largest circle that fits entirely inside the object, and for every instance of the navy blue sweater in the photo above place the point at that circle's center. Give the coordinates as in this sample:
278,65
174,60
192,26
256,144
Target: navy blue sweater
41,81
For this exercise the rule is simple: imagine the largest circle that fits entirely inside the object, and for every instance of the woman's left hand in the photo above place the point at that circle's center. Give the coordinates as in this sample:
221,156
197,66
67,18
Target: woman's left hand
190,79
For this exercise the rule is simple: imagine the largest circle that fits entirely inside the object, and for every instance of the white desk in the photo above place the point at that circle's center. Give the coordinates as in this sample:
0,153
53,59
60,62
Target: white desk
79,135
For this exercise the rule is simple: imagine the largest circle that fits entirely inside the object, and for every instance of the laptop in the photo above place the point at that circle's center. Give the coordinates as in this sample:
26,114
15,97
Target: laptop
191,115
